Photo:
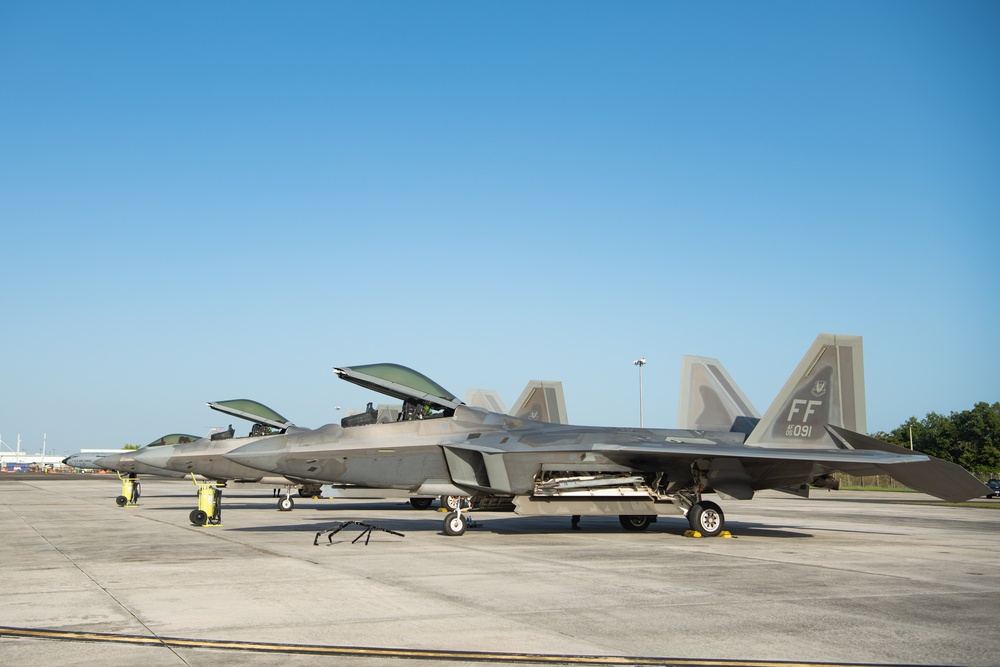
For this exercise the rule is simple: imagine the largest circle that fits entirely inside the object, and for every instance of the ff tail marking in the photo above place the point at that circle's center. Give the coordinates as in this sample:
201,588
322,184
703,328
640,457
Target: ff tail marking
827,387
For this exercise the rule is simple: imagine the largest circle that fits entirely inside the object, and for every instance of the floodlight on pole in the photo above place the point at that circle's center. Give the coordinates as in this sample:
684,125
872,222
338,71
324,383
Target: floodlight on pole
640,363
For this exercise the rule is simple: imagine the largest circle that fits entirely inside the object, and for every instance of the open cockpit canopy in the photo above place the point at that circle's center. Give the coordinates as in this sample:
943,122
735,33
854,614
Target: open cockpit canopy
174,439
400,382
252,411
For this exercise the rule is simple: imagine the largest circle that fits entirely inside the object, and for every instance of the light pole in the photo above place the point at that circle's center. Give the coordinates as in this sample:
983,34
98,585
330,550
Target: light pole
640,363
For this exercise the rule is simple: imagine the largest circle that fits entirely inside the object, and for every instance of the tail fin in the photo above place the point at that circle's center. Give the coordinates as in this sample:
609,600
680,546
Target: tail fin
709,399
488,399
827,387
541,401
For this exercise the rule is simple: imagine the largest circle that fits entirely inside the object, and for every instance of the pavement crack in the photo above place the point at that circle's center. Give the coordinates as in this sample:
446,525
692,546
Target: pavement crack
55,547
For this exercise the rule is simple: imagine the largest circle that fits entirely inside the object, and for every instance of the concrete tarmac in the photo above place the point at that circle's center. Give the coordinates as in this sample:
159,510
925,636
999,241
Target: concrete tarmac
843,577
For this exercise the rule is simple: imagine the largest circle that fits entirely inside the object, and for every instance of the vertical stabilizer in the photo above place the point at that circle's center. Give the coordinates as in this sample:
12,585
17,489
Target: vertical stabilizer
487,399
541,401
709,399
827,387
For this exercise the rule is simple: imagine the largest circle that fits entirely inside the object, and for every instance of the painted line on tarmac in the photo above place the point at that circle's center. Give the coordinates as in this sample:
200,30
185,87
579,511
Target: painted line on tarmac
412,654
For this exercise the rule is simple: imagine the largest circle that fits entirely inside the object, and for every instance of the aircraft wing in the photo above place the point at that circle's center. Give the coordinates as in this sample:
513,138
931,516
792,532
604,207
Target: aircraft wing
737,470
649,457
952,481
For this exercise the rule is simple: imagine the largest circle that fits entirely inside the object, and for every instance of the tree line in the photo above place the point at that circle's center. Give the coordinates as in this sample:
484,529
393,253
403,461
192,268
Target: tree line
970,438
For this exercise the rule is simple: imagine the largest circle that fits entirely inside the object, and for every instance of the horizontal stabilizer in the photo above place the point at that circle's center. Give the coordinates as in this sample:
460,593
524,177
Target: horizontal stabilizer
934,476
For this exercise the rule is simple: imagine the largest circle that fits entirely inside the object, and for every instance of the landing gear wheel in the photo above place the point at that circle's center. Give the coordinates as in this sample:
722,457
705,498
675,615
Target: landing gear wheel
137,491
285,504
122,501
451,502
198,517
635,521
707,518
455,524
421,503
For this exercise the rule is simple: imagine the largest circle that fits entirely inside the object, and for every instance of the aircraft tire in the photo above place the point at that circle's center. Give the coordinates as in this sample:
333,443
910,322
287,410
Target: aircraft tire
635,521
455,524
451,502
285,503
421,503
707,518
198,517
138,490
121,501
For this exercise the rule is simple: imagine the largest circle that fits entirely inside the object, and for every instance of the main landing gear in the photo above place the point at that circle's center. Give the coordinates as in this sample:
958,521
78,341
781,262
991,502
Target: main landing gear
706,518
421,503
635,521
451,503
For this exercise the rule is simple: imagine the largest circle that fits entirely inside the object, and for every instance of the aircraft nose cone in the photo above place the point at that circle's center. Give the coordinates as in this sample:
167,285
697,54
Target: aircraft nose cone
157,457
262,455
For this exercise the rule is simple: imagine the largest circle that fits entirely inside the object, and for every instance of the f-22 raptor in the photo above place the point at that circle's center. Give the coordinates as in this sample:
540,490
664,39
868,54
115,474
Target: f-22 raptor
442,446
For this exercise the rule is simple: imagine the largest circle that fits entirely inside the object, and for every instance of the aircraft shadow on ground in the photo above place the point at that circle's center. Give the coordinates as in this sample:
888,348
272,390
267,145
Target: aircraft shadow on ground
400,526
516,525
749,529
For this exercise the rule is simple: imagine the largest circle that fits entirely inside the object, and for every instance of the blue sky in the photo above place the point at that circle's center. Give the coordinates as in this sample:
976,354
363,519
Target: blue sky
206,201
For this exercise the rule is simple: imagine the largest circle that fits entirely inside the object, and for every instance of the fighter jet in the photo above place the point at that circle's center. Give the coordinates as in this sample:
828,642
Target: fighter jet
125,461
203,456
206,456
86,459
442,446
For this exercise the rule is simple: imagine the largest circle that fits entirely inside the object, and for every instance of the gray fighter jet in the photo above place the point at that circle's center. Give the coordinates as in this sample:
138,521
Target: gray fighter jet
204,456
86,459
442,446
126,462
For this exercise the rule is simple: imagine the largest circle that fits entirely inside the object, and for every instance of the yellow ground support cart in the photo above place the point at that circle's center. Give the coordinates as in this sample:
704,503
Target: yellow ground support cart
130,490
209,504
